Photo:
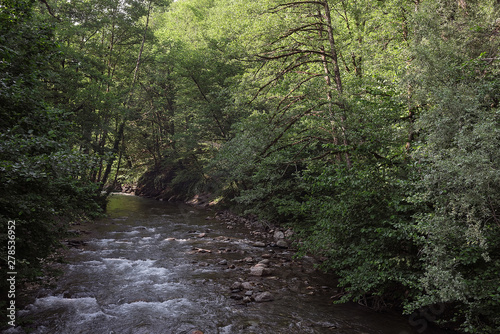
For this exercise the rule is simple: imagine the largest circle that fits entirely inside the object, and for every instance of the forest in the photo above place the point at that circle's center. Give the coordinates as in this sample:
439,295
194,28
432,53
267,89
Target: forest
370,127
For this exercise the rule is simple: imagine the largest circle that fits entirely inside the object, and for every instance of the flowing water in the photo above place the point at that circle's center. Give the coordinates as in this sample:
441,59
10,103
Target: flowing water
154,267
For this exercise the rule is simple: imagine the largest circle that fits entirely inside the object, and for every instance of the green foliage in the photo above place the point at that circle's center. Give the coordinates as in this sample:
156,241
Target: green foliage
419,229
43,179
358,219
460,161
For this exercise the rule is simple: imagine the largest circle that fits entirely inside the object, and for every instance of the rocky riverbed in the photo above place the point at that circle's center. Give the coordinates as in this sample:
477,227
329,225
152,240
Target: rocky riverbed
265,269
154,267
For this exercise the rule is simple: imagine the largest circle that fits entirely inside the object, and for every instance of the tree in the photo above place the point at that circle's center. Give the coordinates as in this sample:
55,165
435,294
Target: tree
99,67
192,76
455,75
323,147
44,179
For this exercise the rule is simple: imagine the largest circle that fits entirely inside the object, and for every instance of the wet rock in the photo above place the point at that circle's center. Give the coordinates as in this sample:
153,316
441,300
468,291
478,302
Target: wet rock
264,297
264,262
236,286
248,293
236,297
257,271
201,235
266,256
282,243
278,235
246,285
260,270
259,244
247,299
75,243
201,250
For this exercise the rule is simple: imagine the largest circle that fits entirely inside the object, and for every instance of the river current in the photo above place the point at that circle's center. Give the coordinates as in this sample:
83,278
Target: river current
155,267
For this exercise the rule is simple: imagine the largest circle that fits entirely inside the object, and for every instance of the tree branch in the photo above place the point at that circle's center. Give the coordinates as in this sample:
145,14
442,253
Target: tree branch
50,10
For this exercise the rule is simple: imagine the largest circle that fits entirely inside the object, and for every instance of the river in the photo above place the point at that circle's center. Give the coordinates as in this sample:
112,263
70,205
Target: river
155,267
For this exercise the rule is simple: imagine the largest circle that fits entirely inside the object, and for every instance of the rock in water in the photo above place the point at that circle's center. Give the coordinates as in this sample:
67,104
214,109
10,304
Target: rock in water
246,285
260,270
236,286
264,297
282,243
278,235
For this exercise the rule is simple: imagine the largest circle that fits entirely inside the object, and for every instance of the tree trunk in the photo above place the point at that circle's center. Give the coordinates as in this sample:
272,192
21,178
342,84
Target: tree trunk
337,77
